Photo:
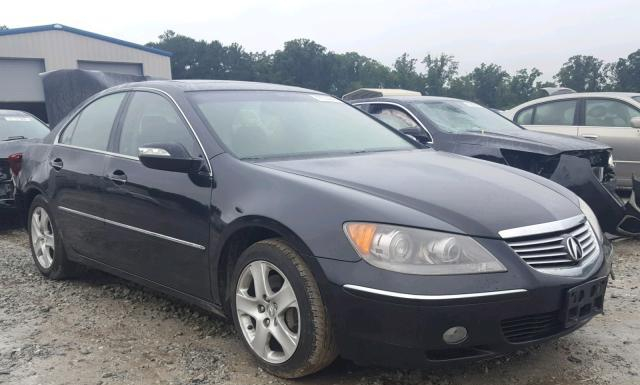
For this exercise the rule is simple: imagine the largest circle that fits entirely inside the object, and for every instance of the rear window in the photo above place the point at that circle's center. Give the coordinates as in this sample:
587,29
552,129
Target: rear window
21,126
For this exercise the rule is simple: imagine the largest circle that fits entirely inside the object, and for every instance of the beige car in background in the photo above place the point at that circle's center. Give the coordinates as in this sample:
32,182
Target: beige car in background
610,117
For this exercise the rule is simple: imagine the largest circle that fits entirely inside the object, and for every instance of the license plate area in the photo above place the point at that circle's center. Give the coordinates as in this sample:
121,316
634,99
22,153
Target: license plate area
584,301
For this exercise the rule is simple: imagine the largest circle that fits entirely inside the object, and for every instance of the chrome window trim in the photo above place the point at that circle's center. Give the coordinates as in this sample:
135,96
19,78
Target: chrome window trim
432,297
56,141
146,232
543,228
403,108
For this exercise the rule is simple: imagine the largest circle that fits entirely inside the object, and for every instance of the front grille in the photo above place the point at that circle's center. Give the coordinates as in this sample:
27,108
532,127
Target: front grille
531,327
548,250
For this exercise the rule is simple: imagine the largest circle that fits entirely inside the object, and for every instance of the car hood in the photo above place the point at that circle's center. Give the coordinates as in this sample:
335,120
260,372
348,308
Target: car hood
477,197
531,141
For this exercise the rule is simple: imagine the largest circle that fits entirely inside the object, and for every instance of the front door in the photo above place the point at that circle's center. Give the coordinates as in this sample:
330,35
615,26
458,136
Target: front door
77,165
157,222
609,121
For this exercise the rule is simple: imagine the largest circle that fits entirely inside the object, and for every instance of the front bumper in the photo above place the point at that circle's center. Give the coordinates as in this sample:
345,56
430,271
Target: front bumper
522,307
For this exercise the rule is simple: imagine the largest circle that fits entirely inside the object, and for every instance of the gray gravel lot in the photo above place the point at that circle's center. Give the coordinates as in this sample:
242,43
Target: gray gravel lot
99,329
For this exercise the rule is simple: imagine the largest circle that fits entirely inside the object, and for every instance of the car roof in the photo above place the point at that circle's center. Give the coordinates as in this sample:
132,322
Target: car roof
615,95
212,85
405,99
14,113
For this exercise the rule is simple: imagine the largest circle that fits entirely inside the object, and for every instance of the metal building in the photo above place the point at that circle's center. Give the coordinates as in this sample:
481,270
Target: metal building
27,52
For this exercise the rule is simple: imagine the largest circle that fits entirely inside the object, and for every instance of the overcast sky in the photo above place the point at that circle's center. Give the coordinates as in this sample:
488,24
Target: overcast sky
514,34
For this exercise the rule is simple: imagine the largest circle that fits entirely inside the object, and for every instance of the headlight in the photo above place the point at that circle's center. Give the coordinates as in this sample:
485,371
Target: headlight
591,218
424,252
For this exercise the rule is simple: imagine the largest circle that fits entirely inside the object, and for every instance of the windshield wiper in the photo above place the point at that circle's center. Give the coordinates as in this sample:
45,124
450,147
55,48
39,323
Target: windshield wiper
17,137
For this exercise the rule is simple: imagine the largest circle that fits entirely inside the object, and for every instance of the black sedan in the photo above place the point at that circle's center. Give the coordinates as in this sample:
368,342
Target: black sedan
317,229
461,127
16,129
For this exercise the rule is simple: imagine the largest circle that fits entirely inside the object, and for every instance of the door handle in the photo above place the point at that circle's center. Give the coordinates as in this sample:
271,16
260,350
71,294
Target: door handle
588,136
118,177
57,164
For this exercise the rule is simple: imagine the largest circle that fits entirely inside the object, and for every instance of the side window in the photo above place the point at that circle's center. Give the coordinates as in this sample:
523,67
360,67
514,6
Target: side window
393,116
608,113
524,116
151,119
363,107
92,127
559,113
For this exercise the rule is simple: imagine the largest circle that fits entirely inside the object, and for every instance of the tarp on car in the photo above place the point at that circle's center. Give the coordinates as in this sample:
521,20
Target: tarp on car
64,90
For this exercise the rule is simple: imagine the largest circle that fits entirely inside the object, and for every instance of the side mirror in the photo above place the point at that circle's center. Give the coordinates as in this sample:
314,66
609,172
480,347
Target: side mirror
418,134
635,122
168,157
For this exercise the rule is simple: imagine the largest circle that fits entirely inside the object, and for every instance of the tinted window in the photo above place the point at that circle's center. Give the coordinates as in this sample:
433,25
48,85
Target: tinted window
608,113
524,116
393,116
14,125
257,124
459,116
92,127
150,119
555,113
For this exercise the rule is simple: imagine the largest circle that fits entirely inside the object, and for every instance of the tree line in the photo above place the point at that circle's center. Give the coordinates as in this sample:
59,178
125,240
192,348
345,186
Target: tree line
305,63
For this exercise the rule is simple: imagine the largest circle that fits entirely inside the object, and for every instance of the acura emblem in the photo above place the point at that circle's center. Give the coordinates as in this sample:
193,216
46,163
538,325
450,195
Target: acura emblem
573,247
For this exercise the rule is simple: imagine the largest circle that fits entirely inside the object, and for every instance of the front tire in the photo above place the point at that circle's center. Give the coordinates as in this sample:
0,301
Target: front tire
278,311
46,244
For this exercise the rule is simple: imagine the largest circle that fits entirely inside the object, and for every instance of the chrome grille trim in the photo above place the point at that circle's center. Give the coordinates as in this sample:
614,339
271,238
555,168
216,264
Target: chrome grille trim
542,247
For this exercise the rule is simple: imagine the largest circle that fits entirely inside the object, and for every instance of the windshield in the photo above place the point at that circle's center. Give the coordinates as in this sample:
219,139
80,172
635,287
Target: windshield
15,126
262,124
459,116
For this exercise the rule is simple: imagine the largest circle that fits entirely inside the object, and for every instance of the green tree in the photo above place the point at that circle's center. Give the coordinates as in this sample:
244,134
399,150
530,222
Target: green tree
440,72
624,74
582,73
405,74
522,86
3,27
489,82
304,63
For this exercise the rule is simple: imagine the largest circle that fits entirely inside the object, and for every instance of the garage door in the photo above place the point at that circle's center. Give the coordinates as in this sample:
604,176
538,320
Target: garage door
20,80
118,68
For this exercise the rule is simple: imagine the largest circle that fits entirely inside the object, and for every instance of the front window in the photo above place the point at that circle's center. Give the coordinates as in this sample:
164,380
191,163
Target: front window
14,126
459,116
263,124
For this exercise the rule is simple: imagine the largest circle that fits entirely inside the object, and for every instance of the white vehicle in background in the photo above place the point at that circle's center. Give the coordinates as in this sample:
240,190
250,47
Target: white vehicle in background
610,117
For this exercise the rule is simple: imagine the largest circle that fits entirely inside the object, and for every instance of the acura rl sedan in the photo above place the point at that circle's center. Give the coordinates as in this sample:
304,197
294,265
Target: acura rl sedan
318,230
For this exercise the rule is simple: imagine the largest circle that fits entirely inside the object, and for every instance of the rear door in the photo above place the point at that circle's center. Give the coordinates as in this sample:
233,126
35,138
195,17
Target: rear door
609,121
556,117
157,222
77,164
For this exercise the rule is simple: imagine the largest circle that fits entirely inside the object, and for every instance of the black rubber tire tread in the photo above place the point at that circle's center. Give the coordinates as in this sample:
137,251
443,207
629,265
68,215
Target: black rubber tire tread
323,349
61,268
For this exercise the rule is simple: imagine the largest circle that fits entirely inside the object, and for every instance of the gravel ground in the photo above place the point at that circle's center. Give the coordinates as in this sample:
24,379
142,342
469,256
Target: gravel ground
99,329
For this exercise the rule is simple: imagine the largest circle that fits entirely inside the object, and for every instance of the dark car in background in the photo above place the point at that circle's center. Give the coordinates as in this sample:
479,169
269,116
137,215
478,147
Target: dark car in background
584,166
17,129
318,230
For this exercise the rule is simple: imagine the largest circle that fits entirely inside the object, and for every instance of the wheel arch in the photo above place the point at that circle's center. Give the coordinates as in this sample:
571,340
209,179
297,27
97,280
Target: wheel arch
238,236
25,198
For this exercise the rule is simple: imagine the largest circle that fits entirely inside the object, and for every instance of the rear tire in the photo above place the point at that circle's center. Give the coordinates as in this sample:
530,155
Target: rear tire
291,311
46,244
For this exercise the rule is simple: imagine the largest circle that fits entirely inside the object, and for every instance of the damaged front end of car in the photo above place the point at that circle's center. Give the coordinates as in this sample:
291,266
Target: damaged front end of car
591,175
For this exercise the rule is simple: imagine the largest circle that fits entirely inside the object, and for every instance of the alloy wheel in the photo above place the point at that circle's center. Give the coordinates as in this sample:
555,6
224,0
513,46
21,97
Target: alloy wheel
268,312
42,237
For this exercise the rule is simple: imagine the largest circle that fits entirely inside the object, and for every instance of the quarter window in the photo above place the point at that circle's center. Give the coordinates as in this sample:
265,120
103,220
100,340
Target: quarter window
608,113
92,127
524,116
151,119
555,113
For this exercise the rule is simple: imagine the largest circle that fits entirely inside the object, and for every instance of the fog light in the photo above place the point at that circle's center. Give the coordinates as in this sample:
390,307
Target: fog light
455,335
